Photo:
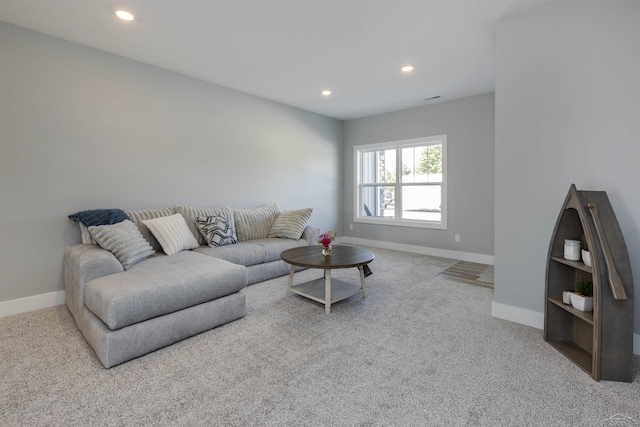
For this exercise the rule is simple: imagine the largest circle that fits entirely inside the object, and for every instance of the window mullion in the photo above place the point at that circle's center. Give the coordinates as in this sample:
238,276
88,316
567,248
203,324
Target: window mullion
396,188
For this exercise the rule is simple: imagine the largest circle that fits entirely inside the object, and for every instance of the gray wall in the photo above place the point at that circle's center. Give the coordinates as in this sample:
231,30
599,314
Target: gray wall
567,111
469,125
83,129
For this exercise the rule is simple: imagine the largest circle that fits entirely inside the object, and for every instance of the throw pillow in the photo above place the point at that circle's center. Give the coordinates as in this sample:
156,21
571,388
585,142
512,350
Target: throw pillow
216,230
291,224
191,213
255,223
139,215
124,241
172,232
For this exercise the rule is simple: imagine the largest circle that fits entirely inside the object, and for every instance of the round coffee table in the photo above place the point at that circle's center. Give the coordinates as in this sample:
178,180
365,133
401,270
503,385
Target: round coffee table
324,290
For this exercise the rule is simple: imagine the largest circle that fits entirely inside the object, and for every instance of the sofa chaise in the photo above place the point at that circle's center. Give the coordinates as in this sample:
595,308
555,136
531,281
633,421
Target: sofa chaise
163,275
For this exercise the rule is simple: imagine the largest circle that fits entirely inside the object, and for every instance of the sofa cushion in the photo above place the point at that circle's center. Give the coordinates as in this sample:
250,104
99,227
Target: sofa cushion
190,215
291,224
243,253
273,247
124,241
160,285
173,233
216,230
255,223
137,216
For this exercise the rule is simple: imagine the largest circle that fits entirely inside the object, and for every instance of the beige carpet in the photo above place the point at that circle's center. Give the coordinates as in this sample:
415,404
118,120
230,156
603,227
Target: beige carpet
413,353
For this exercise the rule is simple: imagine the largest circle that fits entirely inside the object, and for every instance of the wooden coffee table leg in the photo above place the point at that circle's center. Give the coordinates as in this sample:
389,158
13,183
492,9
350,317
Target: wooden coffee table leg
327,291
364,289
293,270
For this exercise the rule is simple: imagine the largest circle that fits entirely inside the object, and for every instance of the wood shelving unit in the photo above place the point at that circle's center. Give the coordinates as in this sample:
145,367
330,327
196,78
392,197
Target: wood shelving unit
599,342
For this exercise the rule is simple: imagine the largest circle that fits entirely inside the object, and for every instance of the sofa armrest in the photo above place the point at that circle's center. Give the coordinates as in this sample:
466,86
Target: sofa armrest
82,264
311,234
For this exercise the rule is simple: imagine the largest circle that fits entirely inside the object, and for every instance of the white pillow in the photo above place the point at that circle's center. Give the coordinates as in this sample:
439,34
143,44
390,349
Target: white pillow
172,232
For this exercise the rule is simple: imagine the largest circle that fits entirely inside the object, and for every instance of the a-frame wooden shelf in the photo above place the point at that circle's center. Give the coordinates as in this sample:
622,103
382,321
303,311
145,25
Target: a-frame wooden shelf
600,342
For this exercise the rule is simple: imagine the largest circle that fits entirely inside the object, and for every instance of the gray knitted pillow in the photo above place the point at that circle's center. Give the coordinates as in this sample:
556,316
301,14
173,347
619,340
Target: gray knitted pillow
291,224
255,223
124,241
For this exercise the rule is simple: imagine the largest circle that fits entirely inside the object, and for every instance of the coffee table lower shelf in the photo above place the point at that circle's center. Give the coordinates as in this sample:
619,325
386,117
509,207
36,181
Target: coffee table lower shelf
315,290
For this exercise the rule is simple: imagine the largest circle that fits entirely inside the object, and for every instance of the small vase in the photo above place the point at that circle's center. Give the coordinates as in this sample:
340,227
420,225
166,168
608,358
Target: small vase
326,250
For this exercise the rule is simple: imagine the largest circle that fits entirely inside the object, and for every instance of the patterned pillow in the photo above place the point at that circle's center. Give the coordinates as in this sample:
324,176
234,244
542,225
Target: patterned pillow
291,224
173,233
190,214
124,241
216,230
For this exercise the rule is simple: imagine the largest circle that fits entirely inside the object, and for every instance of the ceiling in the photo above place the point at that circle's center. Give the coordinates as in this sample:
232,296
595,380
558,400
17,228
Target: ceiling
289,51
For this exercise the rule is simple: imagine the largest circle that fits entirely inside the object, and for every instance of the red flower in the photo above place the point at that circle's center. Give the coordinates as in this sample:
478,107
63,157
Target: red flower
326,238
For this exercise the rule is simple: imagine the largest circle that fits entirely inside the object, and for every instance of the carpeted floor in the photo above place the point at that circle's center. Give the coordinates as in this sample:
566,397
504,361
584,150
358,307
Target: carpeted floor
413,353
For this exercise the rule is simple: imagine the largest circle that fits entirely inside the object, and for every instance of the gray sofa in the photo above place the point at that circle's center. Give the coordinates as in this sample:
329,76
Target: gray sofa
163,299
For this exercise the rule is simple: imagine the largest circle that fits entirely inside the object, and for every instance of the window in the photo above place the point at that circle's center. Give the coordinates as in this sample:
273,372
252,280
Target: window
402,183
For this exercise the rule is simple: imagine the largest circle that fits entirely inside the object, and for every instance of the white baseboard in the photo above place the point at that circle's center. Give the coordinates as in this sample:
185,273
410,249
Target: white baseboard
422,250
523,316
36,302
534,319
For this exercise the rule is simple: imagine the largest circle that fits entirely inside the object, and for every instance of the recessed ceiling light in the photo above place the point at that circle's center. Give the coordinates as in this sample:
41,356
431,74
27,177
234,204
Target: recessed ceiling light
125,15
407,68
326,92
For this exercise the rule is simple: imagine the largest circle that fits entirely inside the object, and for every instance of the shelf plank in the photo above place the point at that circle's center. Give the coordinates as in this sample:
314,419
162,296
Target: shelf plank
574,353
315,290
587,316
575,264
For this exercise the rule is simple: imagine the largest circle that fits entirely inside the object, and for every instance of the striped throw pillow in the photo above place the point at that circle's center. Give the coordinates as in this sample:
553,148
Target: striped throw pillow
124,241
291,224
173,233
255,223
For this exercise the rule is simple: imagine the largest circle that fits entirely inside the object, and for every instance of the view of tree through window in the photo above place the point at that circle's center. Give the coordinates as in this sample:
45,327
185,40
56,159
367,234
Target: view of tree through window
402,182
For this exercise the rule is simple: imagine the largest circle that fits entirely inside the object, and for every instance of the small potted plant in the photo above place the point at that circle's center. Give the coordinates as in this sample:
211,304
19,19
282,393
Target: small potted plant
582,298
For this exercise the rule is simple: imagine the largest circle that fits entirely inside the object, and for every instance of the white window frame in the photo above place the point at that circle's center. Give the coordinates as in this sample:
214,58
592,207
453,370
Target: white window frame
360,217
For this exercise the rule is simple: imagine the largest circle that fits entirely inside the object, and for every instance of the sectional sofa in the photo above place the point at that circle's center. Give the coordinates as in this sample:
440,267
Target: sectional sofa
163,275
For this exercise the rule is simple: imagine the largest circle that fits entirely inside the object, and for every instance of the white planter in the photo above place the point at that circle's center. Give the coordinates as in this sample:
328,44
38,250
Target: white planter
581,303
586,258
572,250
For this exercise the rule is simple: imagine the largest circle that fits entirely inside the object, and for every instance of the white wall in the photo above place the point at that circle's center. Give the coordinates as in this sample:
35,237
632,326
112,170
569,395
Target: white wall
469,125
83,129
567,111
